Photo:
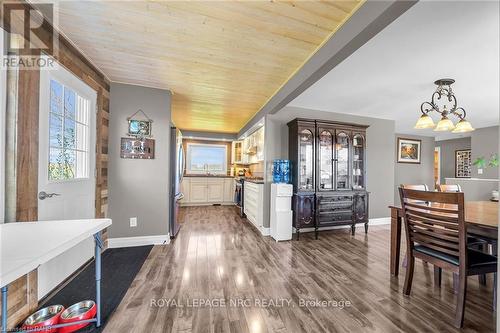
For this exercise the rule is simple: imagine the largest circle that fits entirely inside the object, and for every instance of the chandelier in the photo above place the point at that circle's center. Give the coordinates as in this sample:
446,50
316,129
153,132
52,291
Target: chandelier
445,124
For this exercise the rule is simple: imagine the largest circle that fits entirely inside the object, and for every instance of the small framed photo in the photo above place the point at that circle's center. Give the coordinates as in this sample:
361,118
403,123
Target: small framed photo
137,149
409,150
463,163
139,128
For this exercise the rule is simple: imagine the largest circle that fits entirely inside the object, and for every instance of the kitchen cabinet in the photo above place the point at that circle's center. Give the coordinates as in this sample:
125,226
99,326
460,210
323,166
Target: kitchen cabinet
185,190
237,155
253,204
207,191
259,138
229,188
253,147
215,190
198,191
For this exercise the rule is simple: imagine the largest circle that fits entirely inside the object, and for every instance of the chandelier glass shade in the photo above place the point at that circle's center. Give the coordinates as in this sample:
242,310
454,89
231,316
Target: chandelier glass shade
444,125
445,92
424,122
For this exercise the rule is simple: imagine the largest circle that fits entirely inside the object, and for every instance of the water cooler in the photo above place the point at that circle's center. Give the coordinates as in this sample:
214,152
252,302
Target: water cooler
281,211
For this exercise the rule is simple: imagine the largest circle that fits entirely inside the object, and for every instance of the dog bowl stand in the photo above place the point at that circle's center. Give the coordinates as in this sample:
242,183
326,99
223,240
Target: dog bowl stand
74,230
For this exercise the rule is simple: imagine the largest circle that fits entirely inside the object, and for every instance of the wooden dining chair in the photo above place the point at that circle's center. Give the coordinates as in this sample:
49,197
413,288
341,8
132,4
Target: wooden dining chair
436,232
474,242
449,188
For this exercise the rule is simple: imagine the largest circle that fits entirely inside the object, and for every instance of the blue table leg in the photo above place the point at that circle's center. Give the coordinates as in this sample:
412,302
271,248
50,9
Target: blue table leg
4,309
98,248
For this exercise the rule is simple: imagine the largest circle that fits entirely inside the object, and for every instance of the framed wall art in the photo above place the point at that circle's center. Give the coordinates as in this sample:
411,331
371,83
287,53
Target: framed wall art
139,128
463,163
409,150
137,148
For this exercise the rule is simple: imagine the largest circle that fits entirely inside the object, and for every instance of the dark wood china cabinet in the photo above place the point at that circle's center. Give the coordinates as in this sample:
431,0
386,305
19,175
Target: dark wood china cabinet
328,174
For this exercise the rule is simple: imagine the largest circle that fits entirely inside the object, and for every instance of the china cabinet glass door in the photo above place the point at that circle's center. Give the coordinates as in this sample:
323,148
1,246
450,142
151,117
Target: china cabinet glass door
342,152
306,160
325,160
358,162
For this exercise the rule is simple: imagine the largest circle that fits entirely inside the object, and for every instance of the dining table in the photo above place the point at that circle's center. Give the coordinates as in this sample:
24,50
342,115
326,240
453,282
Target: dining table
481,218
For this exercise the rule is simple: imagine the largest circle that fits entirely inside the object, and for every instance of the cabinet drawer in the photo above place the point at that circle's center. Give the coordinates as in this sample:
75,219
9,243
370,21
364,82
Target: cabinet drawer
326,218
198,180
335,206
251,186
335,199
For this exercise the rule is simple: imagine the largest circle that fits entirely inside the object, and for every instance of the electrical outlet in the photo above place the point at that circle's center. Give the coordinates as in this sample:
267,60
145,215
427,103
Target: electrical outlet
133,222
479,171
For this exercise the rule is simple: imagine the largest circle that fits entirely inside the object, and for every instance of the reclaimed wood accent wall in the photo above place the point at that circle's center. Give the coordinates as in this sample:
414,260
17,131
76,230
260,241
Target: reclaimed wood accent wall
23,298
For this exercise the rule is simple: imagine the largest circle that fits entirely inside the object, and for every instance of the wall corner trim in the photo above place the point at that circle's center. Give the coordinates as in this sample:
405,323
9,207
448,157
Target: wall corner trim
138,241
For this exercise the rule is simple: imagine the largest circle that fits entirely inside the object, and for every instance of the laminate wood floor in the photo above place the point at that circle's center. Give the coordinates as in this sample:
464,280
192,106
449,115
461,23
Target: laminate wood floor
218,255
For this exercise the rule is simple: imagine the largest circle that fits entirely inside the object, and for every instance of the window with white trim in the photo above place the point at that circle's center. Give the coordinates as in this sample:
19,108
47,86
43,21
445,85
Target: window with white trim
69,140
204,158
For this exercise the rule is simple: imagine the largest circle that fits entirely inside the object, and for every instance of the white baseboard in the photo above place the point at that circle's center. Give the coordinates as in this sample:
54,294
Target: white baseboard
265,231
371,222
138,241
380,221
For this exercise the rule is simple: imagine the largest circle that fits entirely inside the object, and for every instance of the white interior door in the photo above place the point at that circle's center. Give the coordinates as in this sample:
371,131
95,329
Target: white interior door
66,176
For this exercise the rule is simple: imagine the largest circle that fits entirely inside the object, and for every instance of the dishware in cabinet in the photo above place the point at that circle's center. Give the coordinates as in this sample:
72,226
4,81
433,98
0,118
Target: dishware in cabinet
358,161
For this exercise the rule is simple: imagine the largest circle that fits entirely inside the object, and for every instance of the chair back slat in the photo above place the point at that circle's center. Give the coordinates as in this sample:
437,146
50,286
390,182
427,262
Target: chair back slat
434,217
417,187
450,209
435,220
449,188
430,230
437,198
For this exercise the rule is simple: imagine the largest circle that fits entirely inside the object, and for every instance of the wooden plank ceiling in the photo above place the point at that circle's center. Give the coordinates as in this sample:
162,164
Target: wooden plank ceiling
222,60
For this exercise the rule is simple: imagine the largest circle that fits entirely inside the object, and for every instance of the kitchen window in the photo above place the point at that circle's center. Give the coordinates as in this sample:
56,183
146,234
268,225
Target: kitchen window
206,158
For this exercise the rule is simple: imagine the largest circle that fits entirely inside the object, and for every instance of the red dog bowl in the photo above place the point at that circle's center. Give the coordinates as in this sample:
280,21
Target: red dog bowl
44,317
79,311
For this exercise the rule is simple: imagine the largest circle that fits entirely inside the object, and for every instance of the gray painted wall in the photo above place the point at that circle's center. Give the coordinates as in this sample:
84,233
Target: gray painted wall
423,173
139,188
484,142
272,151
380,150
448,148
475,189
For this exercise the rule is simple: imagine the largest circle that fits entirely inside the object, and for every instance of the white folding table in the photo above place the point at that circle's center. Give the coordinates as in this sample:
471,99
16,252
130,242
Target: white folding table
24,246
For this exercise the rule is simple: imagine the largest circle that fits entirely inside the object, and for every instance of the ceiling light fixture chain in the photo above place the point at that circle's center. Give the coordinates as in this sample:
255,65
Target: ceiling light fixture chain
443,90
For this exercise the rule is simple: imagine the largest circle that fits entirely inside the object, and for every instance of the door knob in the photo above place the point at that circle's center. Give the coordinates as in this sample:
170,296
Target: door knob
44,195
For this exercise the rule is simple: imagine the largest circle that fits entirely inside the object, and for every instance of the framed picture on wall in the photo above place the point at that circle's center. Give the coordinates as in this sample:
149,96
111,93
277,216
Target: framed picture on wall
139,128
409,150
463,163
137,148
